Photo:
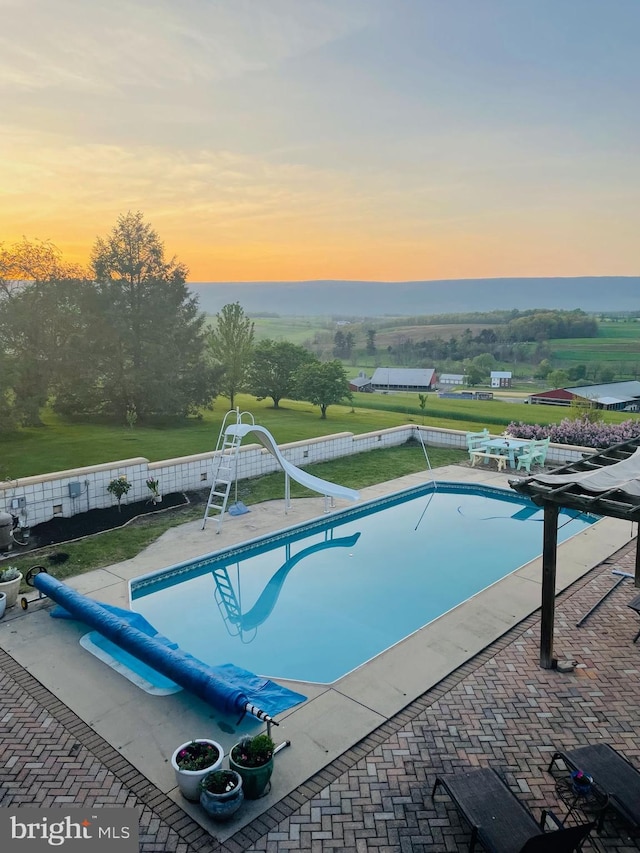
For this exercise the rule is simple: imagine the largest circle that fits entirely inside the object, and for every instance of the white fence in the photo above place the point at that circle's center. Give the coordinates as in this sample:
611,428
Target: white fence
34,500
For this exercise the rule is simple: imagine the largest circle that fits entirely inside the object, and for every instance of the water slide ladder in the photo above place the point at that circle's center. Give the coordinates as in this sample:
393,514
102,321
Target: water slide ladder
224,468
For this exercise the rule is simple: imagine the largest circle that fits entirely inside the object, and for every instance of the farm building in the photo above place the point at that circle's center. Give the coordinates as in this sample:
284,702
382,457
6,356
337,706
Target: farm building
404,379
616,396
360,383
448,379
501,379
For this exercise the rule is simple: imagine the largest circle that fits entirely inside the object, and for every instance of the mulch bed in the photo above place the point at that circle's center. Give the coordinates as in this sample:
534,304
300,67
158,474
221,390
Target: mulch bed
60,529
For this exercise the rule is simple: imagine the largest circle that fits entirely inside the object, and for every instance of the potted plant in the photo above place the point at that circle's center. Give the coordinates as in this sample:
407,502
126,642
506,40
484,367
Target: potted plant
581,782
154,487
252,758
10,580
3,603
192,761
119,488
221,793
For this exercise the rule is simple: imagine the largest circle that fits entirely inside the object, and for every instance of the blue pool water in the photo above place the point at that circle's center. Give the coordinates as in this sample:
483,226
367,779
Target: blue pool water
320,599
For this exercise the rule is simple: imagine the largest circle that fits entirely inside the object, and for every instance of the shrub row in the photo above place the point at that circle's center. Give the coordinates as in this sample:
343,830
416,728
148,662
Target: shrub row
579,431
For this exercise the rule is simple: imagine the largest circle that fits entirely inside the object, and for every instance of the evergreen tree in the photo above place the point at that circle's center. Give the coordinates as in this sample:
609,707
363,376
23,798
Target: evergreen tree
148,336
371,342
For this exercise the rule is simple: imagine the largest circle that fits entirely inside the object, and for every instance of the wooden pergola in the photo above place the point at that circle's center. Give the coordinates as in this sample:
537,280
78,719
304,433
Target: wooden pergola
605,483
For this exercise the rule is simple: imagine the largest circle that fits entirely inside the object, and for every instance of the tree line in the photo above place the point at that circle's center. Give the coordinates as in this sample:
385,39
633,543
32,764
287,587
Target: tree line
125,339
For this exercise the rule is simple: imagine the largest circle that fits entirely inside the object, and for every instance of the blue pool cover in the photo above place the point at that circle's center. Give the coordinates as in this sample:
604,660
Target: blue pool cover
228,688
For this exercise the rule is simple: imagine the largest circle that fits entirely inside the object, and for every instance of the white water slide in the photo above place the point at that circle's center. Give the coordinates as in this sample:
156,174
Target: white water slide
309,481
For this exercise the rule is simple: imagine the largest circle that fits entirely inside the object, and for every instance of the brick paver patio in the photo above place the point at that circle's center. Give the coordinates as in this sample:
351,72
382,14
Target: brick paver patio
499,710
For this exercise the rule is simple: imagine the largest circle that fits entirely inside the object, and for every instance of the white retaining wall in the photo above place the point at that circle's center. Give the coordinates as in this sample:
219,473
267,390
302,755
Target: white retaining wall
40,498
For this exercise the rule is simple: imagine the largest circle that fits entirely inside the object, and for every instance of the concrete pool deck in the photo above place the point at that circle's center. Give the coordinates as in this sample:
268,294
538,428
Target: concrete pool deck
145,729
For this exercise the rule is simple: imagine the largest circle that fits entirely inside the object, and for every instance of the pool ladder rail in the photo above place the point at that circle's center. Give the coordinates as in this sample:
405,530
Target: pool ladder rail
229,606
225,467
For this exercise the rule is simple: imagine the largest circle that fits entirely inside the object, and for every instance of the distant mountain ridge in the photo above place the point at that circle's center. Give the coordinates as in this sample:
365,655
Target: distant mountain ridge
379,298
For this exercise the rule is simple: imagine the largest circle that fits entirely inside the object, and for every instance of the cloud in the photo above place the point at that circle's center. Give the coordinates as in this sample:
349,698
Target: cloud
125,44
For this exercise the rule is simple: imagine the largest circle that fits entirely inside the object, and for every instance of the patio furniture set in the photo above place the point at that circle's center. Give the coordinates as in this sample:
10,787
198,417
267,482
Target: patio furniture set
518,453
598,781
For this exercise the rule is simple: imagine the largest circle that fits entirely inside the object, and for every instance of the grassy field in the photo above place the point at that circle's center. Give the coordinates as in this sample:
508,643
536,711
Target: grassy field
617,344
297,330
60,445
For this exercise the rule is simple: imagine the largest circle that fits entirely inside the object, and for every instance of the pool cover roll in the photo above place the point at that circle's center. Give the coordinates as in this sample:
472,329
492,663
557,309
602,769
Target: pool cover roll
181,667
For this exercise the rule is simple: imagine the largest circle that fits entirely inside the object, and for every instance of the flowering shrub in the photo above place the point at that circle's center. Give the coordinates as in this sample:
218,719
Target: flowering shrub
580,431
253,751
119,488
197,756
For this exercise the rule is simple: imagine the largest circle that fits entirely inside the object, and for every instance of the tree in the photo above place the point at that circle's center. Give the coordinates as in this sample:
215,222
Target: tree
38,325
28,261
474,374
231,345
273,368
148,334
119,488
543,369
38,309
577,372
486,362
558,378
423,404
323,384
606,374
371,342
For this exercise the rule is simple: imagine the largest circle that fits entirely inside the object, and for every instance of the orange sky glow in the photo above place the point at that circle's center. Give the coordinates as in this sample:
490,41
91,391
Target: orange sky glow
341,140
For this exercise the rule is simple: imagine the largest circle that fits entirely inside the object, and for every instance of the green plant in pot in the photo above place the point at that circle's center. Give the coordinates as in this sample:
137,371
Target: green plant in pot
252,758
154,487
10,580
221,794
192,761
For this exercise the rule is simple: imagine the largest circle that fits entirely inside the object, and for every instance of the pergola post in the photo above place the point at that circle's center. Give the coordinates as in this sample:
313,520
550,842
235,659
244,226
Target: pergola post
549,554
637,578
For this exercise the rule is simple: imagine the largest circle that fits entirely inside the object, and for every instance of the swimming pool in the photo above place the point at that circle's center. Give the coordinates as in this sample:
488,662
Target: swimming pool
316,601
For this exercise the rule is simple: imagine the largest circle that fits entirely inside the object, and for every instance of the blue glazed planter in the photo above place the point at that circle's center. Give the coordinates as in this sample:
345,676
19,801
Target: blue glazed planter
222,806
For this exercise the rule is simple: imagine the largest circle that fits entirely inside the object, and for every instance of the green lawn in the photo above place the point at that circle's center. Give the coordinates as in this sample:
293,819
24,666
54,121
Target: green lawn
60,445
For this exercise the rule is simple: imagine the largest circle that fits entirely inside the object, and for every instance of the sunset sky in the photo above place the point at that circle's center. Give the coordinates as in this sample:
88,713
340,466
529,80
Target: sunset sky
347,139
